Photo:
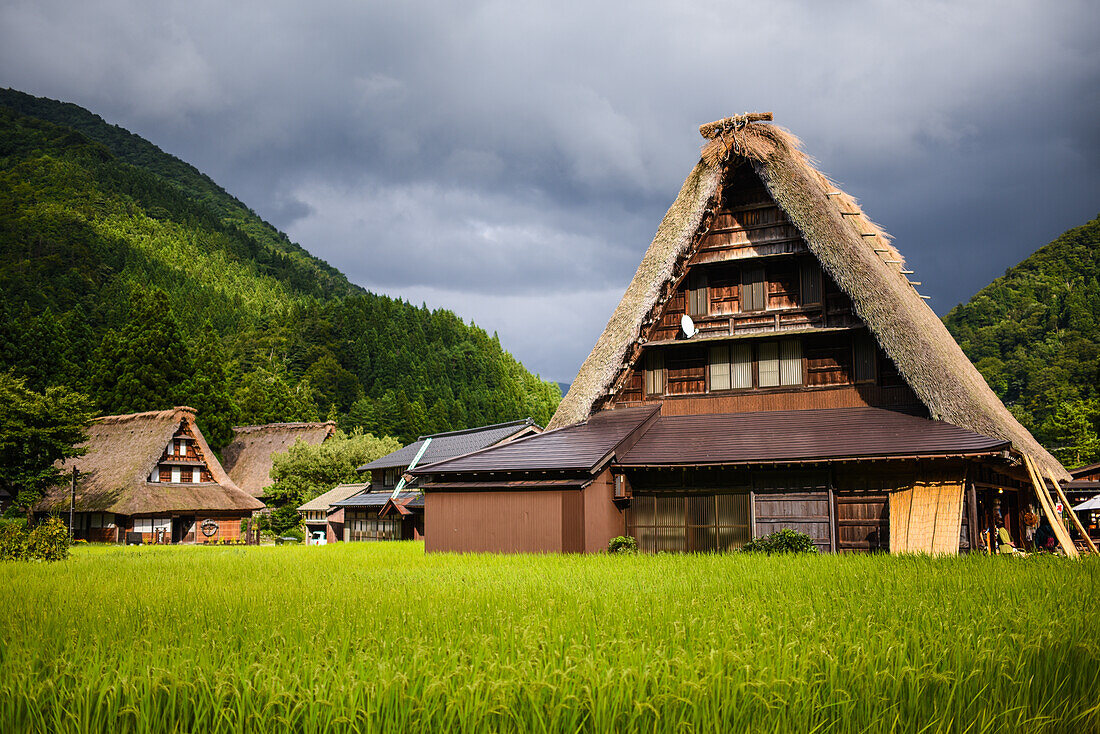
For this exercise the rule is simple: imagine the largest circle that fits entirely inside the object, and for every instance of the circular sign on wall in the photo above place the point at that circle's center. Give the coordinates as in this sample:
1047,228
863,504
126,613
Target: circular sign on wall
209,527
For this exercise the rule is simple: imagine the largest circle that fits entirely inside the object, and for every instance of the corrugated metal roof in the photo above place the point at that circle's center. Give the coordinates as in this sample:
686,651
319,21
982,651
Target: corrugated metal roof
377,499
800,435
340,492
577,447
575,483
449,445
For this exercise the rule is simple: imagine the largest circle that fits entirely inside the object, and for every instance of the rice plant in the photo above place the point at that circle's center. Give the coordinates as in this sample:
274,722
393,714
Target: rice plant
380,637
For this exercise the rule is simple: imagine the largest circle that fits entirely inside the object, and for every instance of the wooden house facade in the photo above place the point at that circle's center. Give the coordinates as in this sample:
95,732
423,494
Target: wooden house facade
770,365
152,478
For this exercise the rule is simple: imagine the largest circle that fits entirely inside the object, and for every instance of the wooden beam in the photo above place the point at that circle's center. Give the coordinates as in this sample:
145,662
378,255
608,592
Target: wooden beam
1044,499
1072,514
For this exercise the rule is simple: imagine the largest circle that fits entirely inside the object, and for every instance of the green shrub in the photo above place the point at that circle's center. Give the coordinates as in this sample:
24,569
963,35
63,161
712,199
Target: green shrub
49,541
295,533
622,544
13,540
781,541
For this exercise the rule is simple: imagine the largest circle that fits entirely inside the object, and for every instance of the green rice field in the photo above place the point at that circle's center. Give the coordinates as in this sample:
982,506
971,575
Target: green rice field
368,637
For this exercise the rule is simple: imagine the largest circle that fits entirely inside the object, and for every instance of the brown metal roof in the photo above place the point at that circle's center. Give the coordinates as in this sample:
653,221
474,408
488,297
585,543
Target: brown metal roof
575,483
800,435
580,446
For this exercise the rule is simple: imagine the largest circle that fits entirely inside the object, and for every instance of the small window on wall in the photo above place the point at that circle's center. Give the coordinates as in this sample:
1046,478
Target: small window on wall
730,367
719,368
779,363
790,362
767,360
698,302
655,373
864,368
811,283
754,291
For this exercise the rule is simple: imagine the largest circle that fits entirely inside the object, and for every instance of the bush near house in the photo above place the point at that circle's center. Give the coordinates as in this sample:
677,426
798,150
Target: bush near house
781,541
48,541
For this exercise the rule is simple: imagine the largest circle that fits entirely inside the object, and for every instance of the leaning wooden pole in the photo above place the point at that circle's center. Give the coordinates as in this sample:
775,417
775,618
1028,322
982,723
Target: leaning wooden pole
1072,514
1060,531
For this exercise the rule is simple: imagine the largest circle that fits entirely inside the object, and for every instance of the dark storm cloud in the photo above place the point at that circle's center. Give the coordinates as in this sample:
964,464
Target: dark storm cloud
512,160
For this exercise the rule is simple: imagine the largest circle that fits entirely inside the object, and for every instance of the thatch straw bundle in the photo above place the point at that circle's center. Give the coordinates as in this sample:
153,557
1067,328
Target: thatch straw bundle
249,457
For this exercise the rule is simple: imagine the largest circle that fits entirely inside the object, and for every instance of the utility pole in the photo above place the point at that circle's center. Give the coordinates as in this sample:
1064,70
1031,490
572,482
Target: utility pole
72,503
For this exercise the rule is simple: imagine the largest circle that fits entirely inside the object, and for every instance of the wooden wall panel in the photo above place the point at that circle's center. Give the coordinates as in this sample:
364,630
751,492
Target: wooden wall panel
863,521
502,522
847,396
802,511
603,519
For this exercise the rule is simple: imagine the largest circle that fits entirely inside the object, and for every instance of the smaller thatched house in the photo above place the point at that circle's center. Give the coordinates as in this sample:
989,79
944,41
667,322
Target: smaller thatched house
150,477
249,457
324,522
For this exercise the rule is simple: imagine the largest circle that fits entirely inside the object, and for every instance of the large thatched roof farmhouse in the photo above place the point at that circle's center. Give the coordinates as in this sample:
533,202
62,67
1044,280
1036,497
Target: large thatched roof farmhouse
150,477
770,365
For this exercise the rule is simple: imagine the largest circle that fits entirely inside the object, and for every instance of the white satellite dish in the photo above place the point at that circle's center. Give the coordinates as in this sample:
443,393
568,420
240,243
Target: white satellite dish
688,326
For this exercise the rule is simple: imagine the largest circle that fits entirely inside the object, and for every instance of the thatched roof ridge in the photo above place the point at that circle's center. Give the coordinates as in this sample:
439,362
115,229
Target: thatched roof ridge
249,456
926,355
122,451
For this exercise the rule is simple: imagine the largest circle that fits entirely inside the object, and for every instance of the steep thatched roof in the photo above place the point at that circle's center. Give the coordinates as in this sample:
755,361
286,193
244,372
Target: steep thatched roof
248,458
121,453
845,242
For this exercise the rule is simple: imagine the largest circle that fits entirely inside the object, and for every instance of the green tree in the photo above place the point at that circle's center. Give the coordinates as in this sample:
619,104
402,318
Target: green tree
210,391
307,471
146,364
36,431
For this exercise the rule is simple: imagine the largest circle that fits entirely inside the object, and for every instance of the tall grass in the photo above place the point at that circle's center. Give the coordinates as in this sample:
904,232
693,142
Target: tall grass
379,637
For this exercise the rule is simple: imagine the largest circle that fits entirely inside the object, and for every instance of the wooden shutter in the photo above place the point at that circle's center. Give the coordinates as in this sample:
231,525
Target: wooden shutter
811,283
767,360
740,366
719,367
863,359
655,373
790,362
754,292
698,301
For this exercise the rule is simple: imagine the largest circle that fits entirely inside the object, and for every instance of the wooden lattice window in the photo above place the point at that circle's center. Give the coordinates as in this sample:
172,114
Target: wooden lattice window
655,373
754,289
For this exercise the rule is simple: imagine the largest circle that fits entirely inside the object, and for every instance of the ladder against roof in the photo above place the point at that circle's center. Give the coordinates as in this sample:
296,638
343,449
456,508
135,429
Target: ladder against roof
1060,531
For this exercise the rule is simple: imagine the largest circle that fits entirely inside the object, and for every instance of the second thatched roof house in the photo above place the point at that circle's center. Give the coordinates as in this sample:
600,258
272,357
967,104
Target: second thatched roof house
249,456
150,477
769,366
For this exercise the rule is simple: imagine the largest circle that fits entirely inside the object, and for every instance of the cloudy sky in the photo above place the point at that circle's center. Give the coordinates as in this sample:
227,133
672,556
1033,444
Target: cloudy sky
511,160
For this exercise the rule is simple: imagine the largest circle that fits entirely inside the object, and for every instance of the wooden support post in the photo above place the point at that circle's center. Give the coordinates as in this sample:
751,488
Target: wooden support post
972,516
1044,499
1072,514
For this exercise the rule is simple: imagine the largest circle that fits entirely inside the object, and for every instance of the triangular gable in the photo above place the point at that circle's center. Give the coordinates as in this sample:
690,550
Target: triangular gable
851,249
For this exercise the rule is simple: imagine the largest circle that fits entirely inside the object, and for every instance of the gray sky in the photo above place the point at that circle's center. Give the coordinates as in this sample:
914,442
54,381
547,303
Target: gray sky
511,160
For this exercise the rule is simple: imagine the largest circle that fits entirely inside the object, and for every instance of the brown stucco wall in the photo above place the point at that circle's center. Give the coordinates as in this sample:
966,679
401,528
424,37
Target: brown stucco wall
602,519
497,522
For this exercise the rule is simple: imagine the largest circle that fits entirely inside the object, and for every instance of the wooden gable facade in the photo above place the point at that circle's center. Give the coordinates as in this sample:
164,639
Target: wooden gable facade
775,332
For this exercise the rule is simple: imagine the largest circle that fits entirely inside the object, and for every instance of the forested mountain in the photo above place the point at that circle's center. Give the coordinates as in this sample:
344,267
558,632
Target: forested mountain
127,274
1035,335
